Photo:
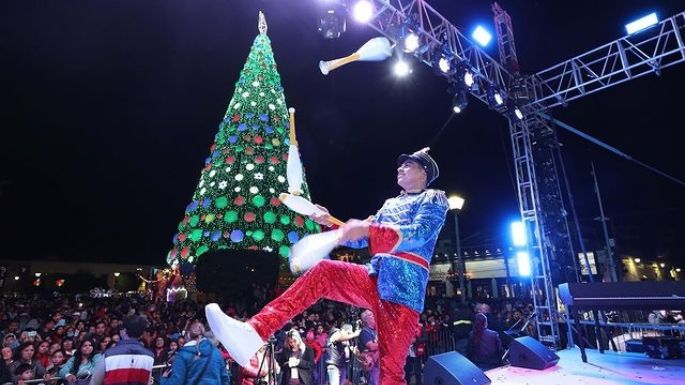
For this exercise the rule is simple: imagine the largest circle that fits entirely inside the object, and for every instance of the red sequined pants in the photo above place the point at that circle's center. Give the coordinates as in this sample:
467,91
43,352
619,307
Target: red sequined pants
348,283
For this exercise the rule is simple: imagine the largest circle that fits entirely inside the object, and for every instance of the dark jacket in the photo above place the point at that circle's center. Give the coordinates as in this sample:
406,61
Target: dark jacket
486,352
304,369
197,363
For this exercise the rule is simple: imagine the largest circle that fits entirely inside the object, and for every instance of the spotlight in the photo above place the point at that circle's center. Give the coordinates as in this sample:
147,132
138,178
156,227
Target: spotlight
466,76
332,23
401,68
362,11
442,60
515,110
677,270
523,259
444,65
662,265
642,23
460,101
481,36
494,97
637,260
518,234
411,42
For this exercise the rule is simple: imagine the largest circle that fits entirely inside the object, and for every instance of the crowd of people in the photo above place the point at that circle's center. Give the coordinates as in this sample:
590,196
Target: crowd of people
63,339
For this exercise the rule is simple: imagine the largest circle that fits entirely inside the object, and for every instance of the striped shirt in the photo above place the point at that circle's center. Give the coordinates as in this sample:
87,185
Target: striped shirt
128,363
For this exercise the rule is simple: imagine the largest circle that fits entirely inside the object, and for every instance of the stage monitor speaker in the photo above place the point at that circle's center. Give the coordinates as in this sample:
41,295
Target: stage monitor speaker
452,369
527,352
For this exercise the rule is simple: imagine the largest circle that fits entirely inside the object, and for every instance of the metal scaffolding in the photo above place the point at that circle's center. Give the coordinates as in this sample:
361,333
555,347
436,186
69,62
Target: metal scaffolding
534,140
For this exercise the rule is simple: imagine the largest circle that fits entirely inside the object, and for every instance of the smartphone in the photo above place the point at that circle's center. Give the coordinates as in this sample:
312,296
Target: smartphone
32,334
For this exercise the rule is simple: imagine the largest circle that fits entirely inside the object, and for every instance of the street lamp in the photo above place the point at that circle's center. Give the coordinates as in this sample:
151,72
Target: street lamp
458,266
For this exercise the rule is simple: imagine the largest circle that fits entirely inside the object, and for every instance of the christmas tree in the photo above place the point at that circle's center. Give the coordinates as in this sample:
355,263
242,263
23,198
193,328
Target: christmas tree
235,205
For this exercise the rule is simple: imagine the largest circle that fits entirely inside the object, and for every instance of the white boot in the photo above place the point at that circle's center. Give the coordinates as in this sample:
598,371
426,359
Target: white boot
239,338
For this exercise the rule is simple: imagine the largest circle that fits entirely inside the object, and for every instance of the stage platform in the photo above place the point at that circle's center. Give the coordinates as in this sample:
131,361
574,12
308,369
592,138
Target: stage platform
602,369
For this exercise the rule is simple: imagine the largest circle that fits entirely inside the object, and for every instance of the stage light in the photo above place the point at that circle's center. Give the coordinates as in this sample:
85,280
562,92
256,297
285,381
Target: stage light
362,11
642,23
518,234
455,202
460,101
677,270
411,42
637,260
117,274
494,97
515,110
332,23
401,68
16,277
468,78
37,275
481,36
662,265
523,261
444,65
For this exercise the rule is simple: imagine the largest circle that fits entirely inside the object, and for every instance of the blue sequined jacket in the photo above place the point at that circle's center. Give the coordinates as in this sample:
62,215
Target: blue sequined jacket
401,239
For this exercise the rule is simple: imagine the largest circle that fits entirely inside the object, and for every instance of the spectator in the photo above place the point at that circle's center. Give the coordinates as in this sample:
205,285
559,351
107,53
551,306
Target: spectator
25,354
57,360
104,344
68,347
5,375
296,361
161,357
7,356
10,341
42,355
338,355
259,369
197,362
485,347
368,341
23,373
82,365
128,363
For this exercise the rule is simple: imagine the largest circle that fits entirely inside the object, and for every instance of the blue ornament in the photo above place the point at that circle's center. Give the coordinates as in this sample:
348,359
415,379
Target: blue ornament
264,117
206,202
216,154
175,240
293,236
237,236
207,160
242,127
250,115
269,130
286,141
205,233
286,125
192,207
216,235
255,127
232,139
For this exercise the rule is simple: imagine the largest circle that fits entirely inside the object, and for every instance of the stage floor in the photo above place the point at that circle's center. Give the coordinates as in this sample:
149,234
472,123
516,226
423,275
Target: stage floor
602,369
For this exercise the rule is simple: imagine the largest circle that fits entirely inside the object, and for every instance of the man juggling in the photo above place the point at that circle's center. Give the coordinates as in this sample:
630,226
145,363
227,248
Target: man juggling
400,237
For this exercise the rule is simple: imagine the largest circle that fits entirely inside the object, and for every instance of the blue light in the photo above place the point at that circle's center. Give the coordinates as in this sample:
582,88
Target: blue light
481,36
642,23
518,234
523,260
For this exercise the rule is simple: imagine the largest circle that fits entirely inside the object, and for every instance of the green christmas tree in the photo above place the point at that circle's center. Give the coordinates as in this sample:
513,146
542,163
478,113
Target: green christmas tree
235,205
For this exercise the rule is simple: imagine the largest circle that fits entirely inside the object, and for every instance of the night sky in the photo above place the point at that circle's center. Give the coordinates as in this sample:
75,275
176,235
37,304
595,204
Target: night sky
109,108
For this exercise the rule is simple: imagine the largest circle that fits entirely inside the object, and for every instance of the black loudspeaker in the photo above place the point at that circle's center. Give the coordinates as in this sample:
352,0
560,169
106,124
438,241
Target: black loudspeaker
527,352
452,369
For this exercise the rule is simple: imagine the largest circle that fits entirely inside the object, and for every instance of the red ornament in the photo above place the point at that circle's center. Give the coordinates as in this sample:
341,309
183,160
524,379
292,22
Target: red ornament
212,147
227,234
299,221
230,160
275,202
182,237
202,217
253,247
249,217
258,139
239,200
285,156
235,118
185,252
185,219
259,159
249,150
273,160
247,138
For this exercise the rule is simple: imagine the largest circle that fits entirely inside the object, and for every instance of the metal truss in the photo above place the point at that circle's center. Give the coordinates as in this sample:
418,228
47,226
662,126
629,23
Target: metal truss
436,34
627,58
